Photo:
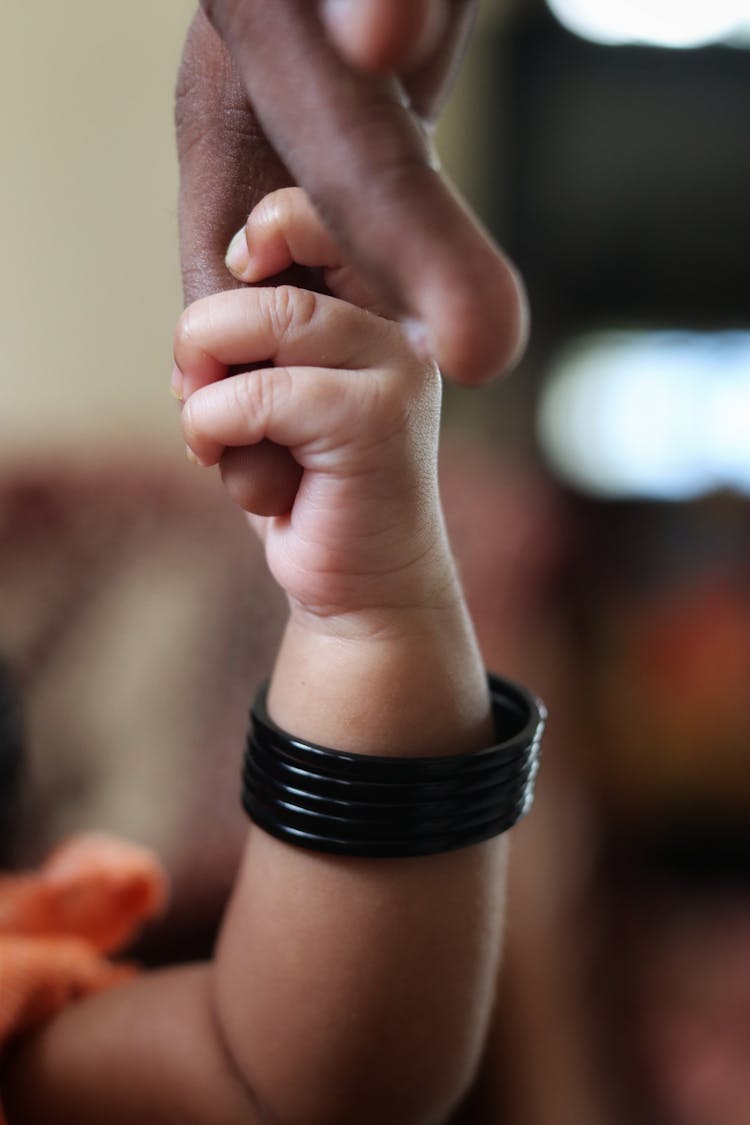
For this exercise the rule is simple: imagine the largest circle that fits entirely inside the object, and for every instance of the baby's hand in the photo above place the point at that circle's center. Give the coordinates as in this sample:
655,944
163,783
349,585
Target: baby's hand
340,388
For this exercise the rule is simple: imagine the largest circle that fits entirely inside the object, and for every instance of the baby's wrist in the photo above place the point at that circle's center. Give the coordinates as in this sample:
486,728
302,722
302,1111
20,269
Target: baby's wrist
407,603
384,680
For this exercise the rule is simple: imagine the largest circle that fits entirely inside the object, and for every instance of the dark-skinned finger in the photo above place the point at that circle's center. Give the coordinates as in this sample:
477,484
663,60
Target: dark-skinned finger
384,35
422,41
262,478
226,167
226,163
360,153
428,85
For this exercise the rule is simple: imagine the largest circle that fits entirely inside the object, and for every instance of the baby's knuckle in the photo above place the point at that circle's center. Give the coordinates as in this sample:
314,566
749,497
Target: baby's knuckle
248,396
291,310
256,396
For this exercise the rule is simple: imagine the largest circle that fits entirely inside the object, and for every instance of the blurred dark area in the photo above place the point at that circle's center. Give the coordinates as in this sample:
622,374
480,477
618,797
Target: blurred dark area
618,177
11,754
626,173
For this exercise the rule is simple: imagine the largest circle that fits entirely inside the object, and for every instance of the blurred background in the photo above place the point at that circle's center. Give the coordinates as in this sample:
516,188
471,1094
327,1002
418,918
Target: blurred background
598,502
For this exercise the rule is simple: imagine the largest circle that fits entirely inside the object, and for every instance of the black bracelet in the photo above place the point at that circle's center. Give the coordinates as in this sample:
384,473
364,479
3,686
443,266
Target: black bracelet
363,805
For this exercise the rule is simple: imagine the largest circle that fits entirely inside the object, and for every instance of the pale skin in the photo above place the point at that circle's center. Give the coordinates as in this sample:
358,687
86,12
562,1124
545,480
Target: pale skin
342,989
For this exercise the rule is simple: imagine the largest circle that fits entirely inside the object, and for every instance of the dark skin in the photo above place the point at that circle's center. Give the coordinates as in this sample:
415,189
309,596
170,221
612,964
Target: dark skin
271,94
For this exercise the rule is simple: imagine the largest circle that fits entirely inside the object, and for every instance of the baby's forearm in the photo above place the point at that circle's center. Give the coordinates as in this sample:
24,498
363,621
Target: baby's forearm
359,989
407,682
348,989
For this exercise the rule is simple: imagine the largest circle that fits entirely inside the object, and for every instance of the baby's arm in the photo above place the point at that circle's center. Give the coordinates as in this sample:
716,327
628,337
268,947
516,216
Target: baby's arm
342,989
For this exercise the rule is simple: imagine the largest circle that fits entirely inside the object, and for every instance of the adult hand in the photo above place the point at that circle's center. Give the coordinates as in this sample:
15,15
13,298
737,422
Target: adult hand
269,101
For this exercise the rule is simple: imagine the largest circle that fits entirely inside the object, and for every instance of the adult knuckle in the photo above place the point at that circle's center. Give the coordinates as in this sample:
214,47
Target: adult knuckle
210,100
193,93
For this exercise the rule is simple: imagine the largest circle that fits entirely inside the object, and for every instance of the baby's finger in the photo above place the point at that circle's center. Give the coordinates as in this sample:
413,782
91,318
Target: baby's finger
292,407
284,229
282,325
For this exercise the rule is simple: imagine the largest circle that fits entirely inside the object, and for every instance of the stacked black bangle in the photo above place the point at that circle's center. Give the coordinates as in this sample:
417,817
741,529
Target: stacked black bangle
359,805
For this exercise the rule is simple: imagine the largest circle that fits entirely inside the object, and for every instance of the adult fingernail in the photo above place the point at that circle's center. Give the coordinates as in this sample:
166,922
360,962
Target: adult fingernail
175,385
237,260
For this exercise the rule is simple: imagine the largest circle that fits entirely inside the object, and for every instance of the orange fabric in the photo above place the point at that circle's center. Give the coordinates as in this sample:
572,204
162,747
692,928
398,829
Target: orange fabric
58,924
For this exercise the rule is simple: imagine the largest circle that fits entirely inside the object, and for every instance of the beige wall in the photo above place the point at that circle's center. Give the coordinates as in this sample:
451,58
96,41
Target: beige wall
88,273
89,283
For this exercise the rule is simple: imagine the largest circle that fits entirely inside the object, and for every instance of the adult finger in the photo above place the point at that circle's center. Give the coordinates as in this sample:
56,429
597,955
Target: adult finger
226,167
351,141
422,41
384,35
226,163
262,479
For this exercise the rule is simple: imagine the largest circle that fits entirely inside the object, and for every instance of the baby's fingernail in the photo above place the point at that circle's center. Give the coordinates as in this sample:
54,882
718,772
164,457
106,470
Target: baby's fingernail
175,385
237,260
420,338
194,459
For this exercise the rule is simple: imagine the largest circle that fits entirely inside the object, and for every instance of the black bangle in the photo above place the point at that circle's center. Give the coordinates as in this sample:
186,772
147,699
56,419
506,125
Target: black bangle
363,805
